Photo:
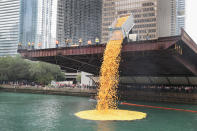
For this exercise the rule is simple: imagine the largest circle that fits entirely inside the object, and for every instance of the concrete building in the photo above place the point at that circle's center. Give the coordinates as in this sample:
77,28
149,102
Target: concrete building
144,13
153,18
166,18
79,19
171,17
85,78
9,26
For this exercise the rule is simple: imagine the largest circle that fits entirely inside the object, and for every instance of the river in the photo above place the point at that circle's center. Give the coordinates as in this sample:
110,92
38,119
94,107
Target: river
33,112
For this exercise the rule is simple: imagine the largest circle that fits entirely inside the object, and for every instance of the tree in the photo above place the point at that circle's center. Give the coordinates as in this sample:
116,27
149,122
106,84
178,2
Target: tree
18,69
78,78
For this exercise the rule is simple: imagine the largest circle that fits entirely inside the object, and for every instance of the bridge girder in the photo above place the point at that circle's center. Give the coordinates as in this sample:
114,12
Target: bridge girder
144,58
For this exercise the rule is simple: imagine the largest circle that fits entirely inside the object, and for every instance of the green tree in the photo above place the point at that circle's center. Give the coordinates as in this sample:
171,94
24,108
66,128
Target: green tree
18,69
78,78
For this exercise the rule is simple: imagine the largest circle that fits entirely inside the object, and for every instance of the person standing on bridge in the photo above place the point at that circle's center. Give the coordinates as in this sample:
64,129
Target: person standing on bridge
39,45
29,45
67,42
19,45
80,41
97,40
89,42
32,45
57,43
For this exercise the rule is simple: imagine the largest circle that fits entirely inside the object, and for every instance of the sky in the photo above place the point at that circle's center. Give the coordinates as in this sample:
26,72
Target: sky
191,18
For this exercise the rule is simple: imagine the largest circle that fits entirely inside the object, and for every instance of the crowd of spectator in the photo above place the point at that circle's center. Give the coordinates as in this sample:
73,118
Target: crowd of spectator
163,88
34,84
81,86
155,88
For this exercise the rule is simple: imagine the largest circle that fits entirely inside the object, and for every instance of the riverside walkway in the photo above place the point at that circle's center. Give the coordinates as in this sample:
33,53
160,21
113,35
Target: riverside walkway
141,94
49,90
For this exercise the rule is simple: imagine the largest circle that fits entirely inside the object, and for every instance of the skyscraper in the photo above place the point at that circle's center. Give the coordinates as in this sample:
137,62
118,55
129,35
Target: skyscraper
60,34
171,17
166,18
82,19
38,23
153,18
9,26
47,23
143,11
180,21
28,22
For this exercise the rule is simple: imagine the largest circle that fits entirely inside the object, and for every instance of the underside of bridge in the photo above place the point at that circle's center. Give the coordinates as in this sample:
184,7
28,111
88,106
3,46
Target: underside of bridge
165,58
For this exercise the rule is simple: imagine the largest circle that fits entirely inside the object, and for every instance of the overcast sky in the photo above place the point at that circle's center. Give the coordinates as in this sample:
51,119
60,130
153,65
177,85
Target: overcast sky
191,18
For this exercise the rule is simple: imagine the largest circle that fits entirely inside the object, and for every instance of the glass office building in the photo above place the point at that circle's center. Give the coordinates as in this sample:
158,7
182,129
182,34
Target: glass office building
28,22
46,23
9,26
38,23
82,19
180,21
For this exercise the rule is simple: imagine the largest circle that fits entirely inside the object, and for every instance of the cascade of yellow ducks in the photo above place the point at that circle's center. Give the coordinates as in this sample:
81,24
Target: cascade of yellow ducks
109,75
108,83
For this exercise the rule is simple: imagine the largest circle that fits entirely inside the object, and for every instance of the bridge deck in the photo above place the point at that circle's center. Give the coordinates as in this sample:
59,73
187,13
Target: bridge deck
169,56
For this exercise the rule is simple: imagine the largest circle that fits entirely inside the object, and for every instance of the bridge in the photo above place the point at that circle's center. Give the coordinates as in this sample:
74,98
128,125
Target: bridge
168,60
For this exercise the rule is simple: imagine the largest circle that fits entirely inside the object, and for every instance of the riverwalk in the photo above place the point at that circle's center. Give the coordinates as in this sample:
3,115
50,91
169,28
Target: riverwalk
137,94
72,91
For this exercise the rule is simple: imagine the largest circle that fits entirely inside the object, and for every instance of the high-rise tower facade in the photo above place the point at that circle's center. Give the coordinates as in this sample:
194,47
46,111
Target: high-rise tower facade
153,18
60,34
9,26
28,22
180,19
82,19
47,23
38,23
143,11
166,18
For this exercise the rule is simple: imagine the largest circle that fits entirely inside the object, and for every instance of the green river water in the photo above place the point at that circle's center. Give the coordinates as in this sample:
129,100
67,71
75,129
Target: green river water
32,112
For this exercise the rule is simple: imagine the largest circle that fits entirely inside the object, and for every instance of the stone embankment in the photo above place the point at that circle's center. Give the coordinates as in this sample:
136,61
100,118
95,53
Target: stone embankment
131,94
169,97
49,90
